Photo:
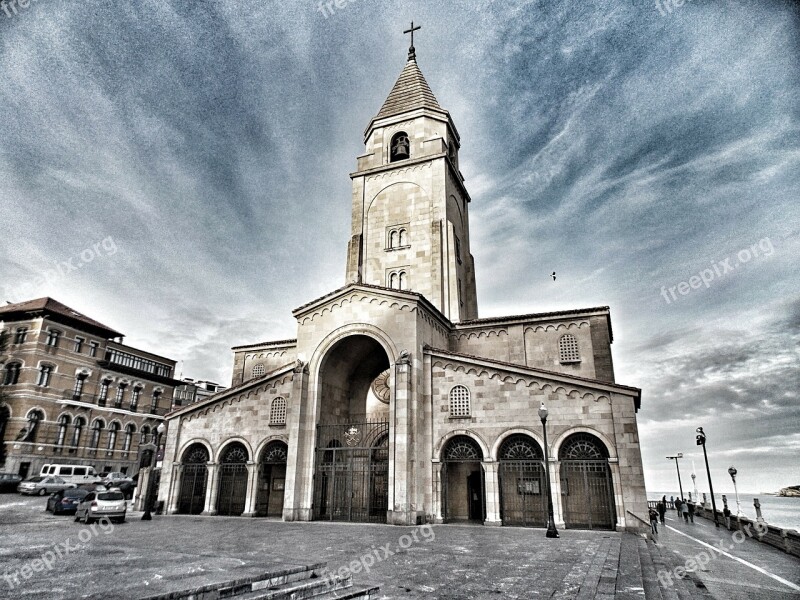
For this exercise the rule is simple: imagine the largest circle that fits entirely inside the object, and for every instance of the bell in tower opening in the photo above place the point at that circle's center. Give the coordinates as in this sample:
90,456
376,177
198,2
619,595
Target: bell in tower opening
400,146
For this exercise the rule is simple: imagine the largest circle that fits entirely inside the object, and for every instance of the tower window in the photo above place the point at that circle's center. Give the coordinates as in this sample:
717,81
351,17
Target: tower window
459,402
397,237
568,349
397,280
400,148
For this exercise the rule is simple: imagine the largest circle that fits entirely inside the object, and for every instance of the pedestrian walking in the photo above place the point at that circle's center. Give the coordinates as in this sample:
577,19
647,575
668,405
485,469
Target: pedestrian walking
726,512
671,501
653,520
662,510
678,507
691,511
685,511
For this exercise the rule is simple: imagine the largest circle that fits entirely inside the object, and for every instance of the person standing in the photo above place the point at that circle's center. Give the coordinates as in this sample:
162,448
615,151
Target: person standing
662,509
678,507
653,520
726,512
691,511
685,510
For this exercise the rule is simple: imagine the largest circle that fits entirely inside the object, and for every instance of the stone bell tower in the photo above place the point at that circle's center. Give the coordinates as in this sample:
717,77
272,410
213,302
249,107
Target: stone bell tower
410,223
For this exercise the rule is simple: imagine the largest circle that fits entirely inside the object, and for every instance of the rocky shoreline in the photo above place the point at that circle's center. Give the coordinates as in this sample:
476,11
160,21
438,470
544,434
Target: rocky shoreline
793,491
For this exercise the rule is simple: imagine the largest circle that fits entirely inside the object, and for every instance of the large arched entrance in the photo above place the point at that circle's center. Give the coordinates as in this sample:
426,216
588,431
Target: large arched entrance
194,478
271,479
523,488
351,455
463,489
232,491
586,486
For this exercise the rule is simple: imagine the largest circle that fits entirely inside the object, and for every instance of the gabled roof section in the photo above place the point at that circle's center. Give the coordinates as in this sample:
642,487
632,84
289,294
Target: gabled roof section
231,391
488,321
410,92
59,312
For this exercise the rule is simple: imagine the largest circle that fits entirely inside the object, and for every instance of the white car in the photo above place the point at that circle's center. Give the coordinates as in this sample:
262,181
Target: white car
43,486
116,478
102,505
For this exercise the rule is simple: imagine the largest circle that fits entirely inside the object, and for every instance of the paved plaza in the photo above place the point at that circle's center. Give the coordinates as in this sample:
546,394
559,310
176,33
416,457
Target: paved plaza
142,558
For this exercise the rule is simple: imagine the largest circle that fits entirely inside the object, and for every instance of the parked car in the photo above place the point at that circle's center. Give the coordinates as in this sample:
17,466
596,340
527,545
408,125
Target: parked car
43,485
98,505
115,478
65,502
76,474
9,482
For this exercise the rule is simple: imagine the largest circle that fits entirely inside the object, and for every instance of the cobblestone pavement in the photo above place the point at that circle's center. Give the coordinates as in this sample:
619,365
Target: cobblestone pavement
140,558
756,575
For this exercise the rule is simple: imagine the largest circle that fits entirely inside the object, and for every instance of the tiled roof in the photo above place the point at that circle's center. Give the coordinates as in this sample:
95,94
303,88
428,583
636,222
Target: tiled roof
54,307
410,92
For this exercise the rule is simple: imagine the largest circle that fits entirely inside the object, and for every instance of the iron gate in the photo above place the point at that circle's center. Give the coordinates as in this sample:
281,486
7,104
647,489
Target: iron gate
193,489
232,491
588,495
351,482
523,493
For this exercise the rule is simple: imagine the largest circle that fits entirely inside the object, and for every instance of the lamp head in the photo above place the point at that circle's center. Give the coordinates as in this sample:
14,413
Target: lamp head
732,472
543,412
161,428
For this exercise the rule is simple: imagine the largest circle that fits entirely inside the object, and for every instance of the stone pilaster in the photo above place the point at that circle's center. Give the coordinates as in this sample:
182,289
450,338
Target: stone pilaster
300,463
401,493
250,498
492,485
175,489
212,490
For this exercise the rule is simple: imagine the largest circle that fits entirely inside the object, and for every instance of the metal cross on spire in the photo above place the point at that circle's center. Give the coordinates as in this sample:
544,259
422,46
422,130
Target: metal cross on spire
411,52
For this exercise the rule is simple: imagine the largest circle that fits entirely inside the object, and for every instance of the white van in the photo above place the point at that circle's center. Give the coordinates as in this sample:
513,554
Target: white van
77,474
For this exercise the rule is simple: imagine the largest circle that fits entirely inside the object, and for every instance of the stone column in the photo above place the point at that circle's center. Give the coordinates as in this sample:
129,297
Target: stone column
175,489
301,428
616,490
252,489
400,511
211,490
436,501
554,472
492,493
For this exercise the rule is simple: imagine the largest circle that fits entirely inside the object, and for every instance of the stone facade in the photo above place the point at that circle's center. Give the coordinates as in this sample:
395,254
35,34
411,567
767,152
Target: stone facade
400,405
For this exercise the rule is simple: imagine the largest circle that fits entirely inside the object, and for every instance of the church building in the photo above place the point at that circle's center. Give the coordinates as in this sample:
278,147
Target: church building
396,403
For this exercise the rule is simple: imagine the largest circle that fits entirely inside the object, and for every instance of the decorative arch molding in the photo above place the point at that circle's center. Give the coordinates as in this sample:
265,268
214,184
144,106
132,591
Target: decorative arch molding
228,442
470,433
346,331
36,408
270,354
610,448
394,173
117,421
514,431
486,333
6,406
528,381
83,371
202,441
564,325
266,442
357,297
65,413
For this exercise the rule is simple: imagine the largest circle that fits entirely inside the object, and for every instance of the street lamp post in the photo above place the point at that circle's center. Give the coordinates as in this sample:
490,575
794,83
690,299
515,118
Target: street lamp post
732,472
701,441
676,458
148,501
552,532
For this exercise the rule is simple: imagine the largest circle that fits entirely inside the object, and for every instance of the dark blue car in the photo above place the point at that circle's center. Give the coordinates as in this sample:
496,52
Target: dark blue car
66,501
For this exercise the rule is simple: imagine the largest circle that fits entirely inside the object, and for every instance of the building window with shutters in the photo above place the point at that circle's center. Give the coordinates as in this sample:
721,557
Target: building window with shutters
459,402
277,413
568,349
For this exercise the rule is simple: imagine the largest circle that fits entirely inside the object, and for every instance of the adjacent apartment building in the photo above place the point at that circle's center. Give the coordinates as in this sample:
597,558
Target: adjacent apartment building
72,392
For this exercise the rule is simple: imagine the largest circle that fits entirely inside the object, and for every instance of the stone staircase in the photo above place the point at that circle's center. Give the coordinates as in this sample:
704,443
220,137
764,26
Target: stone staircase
295,582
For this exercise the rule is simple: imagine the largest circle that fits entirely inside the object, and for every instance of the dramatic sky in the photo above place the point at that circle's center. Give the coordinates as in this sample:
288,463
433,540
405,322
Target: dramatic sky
193,158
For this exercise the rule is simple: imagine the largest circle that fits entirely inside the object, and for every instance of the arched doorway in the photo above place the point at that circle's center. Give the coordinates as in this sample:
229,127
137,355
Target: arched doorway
232,491
351,453
463,489
523,488
194,478
586,486
271,480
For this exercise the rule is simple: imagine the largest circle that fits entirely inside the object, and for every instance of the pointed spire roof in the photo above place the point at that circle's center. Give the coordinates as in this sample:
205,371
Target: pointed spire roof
410,92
